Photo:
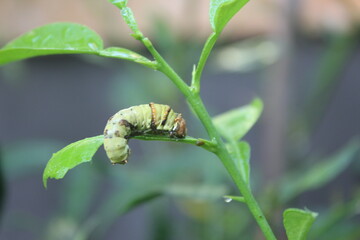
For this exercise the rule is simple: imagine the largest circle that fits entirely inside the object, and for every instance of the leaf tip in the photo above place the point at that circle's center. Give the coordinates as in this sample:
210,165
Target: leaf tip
45,178
313,214
119,3
258,102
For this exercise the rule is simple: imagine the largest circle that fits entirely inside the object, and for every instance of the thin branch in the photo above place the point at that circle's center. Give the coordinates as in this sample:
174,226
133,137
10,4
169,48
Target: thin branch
162,65
195,84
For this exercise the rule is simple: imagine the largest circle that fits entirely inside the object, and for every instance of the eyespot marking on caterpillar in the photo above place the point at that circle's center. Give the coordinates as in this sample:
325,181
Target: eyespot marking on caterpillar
125,123
152,118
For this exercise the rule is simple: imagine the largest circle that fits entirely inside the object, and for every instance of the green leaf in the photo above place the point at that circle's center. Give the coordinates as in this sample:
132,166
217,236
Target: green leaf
234,124
64,38
71,156
119,3
298,222
240,152
320,173
128,17
55,38
126,54
221,11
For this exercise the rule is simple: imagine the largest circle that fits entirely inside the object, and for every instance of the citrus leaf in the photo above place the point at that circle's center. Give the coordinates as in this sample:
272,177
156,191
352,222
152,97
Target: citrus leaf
240,152
221,11
126,54
119,3
71,156
64,38
55,38
298,222
234,124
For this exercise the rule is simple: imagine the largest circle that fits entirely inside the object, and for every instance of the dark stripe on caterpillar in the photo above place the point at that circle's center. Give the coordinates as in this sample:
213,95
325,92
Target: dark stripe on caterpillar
157,119
166,116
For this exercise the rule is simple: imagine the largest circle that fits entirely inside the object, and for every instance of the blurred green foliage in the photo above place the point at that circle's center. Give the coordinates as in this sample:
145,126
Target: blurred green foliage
176,177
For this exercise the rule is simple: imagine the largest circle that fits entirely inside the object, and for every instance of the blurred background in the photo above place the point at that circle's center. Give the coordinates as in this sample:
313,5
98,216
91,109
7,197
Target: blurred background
301,57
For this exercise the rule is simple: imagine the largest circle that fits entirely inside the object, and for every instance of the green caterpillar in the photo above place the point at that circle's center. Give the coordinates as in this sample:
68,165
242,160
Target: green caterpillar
138,120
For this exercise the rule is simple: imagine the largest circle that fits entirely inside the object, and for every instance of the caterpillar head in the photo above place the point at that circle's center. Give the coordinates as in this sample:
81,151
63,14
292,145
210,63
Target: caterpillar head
117,150
179,129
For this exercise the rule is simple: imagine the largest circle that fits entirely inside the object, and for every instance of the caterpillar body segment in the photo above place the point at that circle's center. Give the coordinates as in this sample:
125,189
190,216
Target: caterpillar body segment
157,119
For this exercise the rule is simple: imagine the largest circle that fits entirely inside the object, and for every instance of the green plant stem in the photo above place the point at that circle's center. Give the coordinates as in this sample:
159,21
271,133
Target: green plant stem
165,68
236,198
209,44
193,97
198,107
